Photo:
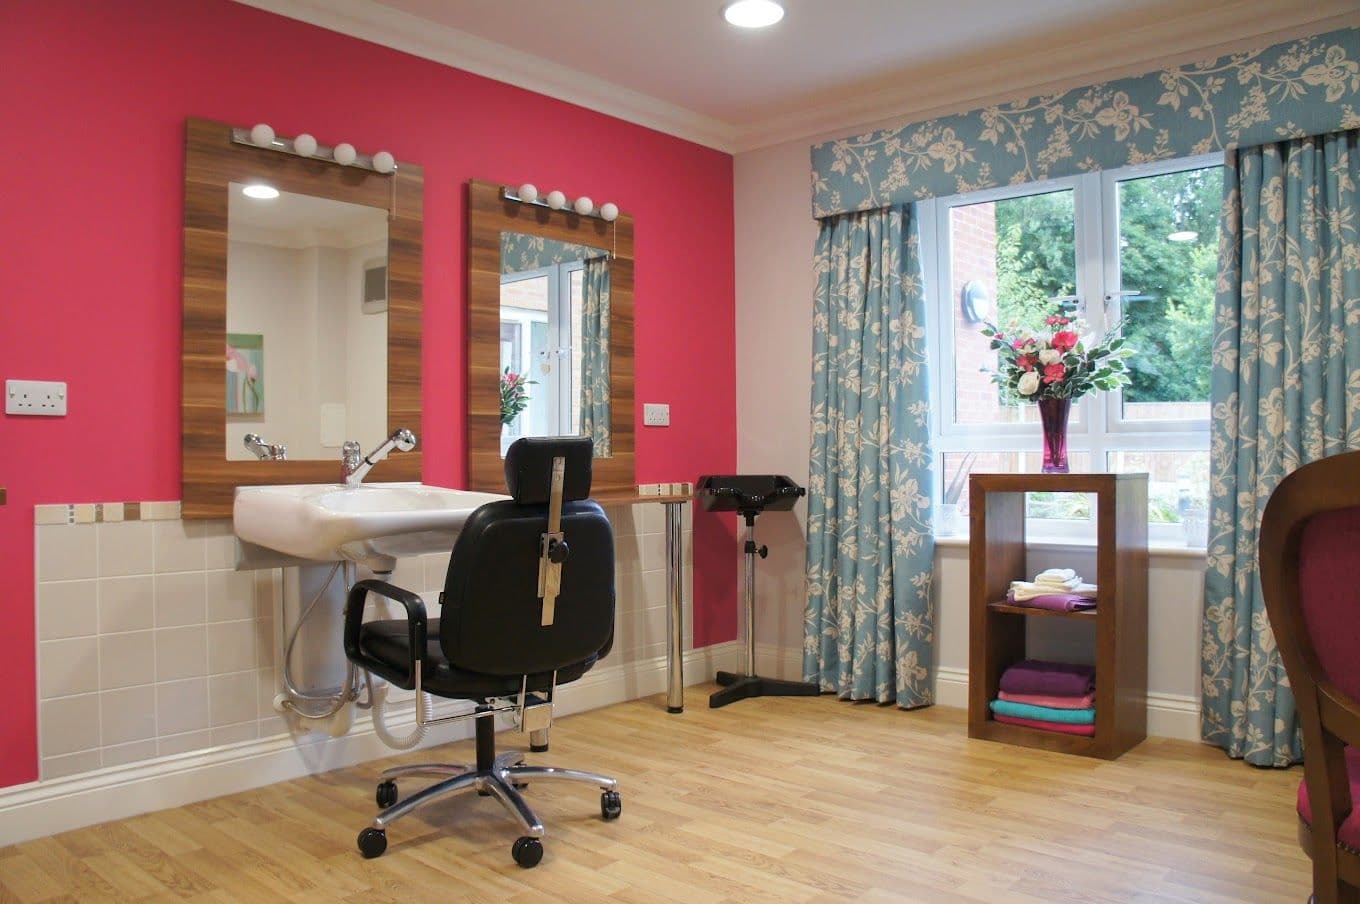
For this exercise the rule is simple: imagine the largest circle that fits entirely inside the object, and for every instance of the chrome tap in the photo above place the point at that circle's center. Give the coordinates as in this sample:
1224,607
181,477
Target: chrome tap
265,451
355,465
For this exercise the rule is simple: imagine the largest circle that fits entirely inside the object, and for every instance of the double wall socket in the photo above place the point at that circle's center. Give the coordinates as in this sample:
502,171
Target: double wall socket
35,397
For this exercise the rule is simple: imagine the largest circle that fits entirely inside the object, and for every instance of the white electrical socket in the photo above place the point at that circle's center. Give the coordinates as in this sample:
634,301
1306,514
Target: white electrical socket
35,397
655,415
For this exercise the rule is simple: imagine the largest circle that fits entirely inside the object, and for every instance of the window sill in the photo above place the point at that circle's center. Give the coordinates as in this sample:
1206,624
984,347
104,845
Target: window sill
1160,550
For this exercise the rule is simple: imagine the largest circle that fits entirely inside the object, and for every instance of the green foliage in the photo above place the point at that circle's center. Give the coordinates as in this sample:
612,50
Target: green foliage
514,395
1170,323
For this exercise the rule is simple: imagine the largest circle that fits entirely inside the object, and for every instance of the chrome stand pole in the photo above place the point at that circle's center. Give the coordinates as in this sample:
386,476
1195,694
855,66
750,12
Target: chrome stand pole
751,596
675,585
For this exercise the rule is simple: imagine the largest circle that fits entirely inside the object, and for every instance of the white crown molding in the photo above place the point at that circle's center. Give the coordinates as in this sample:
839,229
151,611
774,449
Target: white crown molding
420,37
920,93
940,90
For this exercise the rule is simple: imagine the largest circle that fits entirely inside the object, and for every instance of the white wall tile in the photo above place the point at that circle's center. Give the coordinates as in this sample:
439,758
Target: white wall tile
231,595
125,547
66,552
409,573
653,548
182,743
181,652
233,698
436,570
219,545
67,609
231,647
69,724
68,667
70,764
127,714
181,599
126,604
653,518
179,546
121,754
182,706
126,659
264,642
232,734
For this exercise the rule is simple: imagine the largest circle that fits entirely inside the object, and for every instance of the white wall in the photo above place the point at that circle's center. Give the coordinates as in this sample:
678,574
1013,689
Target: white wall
775,234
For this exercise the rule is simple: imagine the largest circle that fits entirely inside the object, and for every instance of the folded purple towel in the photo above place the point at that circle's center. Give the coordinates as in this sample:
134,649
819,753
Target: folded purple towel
1035,676
1061,602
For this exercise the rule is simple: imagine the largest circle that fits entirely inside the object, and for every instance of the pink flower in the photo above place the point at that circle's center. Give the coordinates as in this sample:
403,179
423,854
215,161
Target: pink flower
1053,373
1053,320
1064,321
1026,361
1064,340
1018,344
511,378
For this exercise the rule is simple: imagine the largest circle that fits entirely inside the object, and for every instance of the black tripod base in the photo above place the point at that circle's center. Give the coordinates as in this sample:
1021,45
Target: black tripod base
739,687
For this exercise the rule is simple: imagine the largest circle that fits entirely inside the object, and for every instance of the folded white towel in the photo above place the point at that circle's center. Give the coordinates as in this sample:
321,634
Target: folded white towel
1025,590
1053,586
1060,575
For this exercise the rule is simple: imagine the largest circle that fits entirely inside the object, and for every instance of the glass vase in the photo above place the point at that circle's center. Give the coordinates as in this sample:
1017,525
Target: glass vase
1053,416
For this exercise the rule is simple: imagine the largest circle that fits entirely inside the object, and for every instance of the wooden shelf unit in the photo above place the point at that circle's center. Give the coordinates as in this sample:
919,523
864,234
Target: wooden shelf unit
996,636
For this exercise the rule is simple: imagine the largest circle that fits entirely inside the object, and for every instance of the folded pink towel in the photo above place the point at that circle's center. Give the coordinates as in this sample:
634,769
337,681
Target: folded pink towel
1050,701
1062,728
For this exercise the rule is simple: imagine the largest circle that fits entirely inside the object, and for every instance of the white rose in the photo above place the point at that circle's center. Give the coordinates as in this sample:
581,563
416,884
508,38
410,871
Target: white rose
1050,356
1029,383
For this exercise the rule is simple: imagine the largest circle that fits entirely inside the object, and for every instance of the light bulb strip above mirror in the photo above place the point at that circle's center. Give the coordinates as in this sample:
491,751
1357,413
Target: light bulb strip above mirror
556,200
262,135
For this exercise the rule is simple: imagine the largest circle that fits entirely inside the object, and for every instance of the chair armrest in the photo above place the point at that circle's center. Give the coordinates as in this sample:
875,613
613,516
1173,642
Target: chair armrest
416,625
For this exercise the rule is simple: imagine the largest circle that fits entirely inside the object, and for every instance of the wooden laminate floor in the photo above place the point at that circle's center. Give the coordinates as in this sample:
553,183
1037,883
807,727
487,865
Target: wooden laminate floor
789,800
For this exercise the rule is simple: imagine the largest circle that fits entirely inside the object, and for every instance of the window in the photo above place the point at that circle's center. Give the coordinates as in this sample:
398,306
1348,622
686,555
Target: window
540,313
1139,243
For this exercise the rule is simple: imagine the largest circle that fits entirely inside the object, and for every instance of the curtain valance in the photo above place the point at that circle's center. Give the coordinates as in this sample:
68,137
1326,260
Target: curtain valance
1305,87
521,253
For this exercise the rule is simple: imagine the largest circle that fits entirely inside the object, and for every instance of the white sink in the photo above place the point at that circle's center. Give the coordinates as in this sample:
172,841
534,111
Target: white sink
372,524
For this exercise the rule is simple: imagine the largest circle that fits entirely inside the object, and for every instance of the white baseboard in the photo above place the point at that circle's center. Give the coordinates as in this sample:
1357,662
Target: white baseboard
43,808
1169,715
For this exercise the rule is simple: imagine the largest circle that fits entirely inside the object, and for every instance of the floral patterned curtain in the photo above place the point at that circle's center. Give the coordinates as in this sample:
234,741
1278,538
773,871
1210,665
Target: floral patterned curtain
1286,391
870,622
595,408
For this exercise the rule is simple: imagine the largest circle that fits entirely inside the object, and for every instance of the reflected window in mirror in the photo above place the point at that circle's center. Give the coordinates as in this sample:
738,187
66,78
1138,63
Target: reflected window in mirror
306,350
554,340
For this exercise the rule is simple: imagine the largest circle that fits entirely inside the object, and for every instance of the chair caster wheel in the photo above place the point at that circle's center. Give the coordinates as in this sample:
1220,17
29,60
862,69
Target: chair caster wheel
611,805
527,851
387,794
372,842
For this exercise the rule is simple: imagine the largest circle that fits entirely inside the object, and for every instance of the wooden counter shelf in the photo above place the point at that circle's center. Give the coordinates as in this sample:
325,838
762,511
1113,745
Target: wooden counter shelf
997,630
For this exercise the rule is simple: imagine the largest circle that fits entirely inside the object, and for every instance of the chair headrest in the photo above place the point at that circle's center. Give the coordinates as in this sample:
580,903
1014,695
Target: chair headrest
528,468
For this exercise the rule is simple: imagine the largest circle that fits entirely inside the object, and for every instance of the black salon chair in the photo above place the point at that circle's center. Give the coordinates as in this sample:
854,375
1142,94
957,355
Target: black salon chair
503,641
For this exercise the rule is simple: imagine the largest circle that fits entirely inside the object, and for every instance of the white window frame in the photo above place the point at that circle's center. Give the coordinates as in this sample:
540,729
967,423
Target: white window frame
558,379
1098,426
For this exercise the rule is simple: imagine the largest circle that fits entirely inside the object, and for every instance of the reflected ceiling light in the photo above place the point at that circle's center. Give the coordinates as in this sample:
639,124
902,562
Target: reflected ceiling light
260,192
1185,235
753,13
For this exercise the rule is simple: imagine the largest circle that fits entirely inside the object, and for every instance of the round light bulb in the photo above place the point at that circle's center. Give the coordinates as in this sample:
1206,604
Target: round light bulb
260,192
753,13
528,193
384,162
557,200
304,145
262,135
584,205
609,211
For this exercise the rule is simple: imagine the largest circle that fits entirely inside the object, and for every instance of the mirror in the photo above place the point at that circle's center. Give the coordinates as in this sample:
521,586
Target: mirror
554,340
317,293
306,344
550,300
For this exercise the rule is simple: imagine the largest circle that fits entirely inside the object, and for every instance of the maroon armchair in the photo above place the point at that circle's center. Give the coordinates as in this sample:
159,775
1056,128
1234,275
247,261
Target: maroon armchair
1310,578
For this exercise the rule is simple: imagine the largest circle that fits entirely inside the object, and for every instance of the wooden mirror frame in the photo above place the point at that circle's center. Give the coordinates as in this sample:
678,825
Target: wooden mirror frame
489,214
211,162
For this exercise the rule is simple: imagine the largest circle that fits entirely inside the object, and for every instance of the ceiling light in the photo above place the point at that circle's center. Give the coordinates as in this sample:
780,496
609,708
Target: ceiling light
1184,235
260,192
753,13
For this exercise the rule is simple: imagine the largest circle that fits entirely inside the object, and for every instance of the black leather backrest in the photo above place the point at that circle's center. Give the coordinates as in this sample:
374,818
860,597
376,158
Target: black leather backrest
491,620
528,467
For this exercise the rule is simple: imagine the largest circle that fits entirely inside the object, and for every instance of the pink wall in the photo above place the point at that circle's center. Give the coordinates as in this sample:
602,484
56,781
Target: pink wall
95,96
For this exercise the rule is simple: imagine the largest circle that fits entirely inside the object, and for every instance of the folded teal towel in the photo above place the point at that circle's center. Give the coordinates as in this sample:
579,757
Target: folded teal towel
1044,713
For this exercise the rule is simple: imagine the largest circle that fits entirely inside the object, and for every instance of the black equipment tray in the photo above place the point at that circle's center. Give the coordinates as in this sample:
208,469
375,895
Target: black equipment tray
747,493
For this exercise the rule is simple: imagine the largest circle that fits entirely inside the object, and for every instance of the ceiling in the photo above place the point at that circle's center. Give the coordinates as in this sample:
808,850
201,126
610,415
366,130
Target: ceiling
676,65
301,221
